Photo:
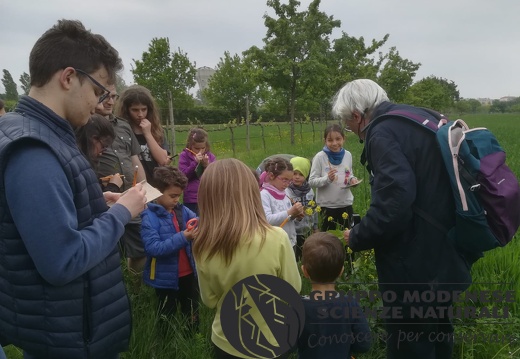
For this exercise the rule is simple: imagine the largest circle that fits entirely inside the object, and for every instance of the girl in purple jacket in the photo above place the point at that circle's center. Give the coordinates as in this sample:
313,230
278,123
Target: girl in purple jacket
193,160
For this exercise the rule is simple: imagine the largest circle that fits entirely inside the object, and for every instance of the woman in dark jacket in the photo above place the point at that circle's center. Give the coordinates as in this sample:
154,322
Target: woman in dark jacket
413,256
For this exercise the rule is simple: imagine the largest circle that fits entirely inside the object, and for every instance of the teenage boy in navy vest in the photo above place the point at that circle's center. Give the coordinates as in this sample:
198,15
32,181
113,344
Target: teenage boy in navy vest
62,288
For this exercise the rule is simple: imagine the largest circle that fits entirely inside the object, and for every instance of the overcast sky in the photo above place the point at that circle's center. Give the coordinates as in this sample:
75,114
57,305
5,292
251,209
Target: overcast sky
475,43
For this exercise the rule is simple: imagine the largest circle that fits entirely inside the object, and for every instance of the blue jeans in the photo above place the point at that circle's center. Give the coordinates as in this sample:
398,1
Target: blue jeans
2,354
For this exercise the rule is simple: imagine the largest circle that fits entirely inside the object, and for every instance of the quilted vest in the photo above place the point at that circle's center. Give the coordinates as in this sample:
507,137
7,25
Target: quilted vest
86,318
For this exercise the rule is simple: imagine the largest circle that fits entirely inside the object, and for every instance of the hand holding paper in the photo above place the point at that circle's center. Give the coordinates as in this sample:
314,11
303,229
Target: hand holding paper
150,193
134,199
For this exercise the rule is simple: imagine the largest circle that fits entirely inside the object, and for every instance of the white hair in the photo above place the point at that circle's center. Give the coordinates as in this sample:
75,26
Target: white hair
361,95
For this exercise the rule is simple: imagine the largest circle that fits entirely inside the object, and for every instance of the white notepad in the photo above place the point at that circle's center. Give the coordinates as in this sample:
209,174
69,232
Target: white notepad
151,192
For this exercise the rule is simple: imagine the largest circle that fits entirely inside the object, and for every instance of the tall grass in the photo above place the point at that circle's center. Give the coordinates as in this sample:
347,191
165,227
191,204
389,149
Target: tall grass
153,337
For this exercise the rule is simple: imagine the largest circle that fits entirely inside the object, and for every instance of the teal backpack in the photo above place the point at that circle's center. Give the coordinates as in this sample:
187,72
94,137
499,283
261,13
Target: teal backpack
486,191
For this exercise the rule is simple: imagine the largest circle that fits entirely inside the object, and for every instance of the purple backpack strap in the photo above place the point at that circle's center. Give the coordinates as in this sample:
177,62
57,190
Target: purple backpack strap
421,120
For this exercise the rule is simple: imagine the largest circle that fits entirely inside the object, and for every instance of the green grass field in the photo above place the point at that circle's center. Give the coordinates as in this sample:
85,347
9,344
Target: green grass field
499,269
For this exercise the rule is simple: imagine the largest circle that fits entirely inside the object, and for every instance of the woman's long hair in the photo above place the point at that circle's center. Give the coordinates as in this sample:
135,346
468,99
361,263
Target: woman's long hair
231,211
95,129
140,95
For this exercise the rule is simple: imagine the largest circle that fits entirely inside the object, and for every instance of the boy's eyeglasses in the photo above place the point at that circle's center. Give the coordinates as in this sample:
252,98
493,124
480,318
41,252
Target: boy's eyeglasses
104,96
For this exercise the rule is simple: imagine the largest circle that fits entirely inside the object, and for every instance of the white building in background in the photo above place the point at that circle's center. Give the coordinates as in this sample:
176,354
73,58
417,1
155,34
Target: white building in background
203,75
507,98
485,101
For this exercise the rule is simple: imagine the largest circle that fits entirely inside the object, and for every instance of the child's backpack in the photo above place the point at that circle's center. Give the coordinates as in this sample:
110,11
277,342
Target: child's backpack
486,191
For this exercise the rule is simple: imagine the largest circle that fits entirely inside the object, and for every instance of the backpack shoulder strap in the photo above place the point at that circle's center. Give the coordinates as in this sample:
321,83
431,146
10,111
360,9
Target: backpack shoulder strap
430,219
408,115
417,118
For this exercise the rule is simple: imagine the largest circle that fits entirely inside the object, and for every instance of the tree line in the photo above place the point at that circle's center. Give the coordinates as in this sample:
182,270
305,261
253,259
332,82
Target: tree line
294,74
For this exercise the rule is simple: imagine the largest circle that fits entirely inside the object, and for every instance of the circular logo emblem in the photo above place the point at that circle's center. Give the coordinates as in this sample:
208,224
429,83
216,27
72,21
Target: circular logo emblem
262,316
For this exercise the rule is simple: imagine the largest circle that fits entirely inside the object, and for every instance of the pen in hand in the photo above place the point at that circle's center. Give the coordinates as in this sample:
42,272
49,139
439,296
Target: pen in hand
108,178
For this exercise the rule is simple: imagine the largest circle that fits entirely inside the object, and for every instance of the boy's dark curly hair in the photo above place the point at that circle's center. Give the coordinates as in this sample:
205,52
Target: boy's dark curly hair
167,176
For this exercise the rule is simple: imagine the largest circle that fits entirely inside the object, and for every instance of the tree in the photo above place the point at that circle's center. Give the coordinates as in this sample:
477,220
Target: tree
474,105
351,60
11,91
232,86
462,107
467,106
509,105
515,107
295,52
120,83
498,106
432,92
397,75
25,80
161,71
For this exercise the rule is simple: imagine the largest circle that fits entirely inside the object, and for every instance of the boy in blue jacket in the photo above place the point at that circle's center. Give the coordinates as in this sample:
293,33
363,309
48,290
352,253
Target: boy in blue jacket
170,267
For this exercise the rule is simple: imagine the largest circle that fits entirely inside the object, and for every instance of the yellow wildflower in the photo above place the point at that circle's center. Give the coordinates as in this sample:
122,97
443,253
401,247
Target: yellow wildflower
311,203
330,219
308,211
344,215
318,209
